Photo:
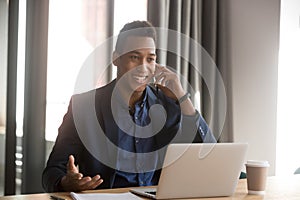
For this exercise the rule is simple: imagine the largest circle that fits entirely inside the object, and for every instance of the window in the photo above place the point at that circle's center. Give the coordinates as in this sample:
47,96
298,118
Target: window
127,11
73,34
67,49
288,109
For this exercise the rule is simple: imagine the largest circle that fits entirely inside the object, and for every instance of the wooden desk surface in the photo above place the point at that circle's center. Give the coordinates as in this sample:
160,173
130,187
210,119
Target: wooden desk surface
278,188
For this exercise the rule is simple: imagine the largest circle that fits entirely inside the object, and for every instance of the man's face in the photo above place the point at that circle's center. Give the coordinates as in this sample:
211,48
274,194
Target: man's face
136,65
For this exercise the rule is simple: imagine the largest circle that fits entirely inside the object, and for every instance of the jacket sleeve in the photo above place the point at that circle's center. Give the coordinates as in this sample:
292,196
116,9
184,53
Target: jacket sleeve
192,128
67,143
197,124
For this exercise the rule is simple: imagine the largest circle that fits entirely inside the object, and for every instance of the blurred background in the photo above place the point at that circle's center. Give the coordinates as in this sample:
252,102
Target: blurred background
44,43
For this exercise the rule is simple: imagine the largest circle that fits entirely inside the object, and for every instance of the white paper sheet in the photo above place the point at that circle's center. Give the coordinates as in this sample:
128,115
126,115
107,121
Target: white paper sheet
106,196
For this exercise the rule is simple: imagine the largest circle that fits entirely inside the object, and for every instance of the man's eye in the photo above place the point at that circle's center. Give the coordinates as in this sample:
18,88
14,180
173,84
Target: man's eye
134,57
151,59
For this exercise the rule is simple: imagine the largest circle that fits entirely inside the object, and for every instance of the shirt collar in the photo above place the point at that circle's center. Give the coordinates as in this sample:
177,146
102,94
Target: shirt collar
152,97
149,97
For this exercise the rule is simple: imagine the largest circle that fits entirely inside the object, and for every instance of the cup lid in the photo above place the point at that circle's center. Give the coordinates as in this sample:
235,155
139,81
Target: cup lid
258,163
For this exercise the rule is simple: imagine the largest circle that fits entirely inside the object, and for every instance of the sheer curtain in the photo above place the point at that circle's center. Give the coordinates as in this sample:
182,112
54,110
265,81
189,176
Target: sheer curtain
204,22
73,48
96,25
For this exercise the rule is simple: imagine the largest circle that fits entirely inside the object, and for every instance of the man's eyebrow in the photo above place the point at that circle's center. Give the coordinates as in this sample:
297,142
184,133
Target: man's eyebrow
152,54
137,52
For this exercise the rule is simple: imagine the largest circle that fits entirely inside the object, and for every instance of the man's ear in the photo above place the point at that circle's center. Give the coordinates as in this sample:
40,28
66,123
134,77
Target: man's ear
116,59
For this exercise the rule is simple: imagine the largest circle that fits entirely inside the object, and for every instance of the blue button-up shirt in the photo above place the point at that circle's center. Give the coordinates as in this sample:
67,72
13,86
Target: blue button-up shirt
133,143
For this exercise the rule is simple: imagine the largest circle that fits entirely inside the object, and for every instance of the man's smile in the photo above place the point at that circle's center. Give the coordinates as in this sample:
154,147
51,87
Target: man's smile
140,78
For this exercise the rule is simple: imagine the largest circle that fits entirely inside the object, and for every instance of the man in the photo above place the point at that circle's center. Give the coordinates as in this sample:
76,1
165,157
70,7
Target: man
137,120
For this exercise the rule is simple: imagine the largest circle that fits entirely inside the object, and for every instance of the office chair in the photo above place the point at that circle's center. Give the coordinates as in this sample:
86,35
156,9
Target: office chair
243,175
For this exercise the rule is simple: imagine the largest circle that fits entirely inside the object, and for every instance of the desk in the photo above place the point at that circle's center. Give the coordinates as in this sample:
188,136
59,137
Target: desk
278,188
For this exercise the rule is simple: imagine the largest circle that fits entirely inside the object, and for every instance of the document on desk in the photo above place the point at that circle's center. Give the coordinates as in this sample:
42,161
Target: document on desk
106,196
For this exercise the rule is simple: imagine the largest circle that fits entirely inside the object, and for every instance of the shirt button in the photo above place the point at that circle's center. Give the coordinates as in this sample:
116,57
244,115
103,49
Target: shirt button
136,141
136,117
142,183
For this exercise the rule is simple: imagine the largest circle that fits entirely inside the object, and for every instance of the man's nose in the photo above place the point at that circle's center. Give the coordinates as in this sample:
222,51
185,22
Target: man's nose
143,65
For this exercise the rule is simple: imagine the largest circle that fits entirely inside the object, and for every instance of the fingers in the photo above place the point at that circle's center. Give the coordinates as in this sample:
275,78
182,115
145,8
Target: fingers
75,176
71,165
160,74
88,183
158,67
73,183
169,79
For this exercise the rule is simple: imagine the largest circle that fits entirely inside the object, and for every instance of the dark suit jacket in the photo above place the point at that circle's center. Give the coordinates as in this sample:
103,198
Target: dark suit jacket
89,132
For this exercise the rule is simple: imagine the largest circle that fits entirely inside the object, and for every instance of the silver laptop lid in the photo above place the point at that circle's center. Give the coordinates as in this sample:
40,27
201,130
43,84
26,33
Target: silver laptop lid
201,170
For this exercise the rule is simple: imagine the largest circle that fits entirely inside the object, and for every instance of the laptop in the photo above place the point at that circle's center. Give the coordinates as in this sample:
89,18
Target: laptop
198,170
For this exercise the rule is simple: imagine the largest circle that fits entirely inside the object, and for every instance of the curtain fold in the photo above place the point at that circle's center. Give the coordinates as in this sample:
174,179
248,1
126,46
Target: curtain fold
11,98
96,27
35,95
203,22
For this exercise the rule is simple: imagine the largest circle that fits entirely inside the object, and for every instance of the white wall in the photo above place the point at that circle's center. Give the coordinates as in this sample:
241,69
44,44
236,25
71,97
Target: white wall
254,50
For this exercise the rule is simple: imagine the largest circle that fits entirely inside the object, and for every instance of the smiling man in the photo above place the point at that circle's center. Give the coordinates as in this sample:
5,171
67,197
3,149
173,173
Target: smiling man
140,112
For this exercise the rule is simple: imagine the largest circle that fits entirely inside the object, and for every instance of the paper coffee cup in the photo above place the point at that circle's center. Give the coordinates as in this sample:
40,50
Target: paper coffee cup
256,176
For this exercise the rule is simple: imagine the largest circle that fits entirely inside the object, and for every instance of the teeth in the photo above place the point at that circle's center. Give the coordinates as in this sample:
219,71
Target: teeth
140,78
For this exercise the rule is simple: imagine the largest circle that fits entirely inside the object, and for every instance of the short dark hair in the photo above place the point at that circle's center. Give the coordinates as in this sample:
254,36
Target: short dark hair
135,28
